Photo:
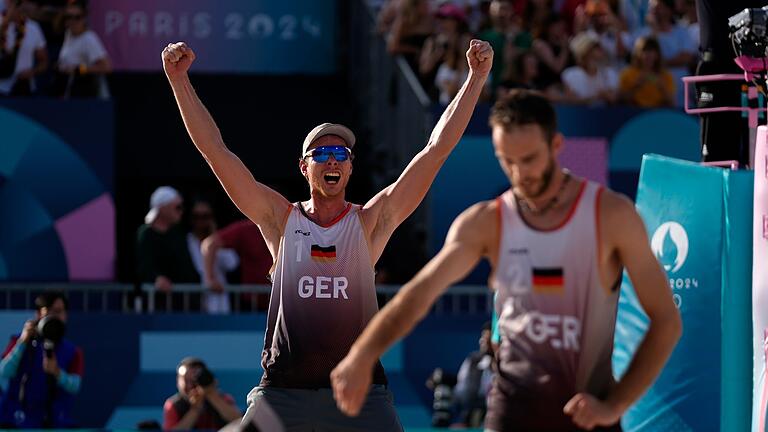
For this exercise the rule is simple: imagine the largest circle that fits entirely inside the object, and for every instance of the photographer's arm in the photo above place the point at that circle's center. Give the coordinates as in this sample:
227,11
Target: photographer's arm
70,379
226,407
188,421
10,363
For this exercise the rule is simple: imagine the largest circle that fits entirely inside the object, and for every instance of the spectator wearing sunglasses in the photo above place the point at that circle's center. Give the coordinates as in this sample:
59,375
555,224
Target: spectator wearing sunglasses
203,224
162,252
83,61
324,248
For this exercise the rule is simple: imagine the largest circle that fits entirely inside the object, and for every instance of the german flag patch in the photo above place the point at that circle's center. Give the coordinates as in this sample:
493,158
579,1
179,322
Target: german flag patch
548,280
323,254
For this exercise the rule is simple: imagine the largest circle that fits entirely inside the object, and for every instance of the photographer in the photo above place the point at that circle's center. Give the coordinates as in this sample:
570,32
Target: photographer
43,369
199,404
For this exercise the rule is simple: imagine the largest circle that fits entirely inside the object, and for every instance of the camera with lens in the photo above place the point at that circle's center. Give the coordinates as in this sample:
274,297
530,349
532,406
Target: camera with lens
204,377
748,32
50,331
441,384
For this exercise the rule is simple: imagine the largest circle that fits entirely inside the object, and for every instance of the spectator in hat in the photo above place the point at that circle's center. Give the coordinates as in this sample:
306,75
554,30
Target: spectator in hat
161,246
600,19
591,81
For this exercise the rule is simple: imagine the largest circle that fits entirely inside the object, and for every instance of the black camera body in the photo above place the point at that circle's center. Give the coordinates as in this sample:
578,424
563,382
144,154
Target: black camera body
50,331
204,377
749,32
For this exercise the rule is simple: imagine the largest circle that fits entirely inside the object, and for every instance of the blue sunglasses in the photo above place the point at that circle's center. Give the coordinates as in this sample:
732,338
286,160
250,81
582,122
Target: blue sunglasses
321,154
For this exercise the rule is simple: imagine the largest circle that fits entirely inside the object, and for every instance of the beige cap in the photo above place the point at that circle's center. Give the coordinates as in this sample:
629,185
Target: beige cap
328,129
582,43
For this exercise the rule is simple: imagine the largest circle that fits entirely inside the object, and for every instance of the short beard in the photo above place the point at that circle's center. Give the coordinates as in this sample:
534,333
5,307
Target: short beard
546,180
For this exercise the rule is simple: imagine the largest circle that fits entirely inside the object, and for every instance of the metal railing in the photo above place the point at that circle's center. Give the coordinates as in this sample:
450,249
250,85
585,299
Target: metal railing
123,298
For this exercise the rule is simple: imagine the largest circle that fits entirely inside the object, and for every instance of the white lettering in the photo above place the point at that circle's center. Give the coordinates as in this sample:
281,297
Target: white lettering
542,327
112,21
322,285
562,332
202,25
305,287
163,24
678,300
138,24
287,24
183,25
571,333
683,283
340,285
311,27
261,26
234,24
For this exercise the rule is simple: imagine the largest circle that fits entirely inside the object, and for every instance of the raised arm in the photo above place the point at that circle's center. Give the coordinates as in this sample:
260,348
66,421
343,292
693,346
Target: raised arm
390,207
469,239
628,235
258,202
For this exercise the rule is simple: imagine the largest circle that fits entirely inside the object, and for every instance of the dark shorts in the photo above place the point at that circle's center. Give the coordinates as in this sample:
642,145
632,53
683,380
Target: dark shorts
522,412
303,410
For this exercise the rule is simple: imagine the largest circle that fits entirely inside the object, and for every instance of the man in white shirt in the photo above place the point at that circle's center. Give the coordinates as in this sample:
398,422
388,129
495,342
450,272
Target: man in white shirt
32,57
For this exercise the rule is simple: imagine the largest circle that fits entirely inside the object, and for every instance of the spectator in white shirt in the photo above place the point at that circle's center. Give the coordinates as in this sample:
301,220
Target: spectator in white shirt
203,224
20,37
83,61
590,81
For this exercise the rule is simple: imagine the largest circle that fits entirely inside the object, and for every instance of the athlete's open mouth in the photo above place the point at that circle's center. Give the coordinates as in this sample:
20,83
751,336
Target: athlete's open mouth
332,177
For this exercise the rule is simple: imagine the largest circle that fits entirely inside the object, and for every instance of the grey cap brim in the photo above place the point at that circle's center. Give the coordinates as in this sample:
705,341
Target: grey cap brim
328,129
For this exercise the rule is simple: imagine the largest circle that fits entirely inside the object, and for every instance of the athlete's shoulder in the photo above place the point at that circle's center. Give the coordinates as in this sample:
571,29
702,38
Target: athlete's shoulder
614,204
481,212
476,223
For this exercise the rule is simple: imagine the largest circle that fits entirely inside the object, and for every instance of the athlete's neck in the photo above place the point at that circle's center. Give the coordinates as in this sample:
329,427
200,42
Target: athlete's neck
323,210
554,190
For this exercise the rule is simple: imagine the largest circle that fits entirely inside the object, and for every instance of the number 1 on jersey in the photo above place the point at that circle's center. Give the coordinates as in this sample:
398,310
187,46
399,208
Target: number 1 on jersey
299,246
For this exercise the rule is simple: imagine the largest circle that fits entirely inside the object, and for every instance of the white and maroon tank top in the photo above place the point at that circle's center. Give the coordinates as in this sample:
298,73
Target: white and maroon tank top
323,295
556,320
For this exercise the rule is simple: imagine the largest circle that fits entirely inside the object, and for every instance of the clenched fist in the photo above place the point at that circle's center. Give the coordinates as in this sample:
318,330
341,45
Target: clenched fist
480,56
177,58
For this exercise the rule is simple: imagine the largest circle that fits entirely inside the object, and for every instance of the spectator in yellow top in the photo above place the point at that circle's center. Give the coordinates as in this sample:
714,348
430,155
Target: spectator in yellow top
645,82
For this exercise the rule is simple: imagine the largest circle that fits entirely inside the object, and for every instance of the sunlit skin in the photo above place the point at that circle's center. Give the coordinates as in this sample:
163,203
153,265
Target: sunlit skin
529,162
